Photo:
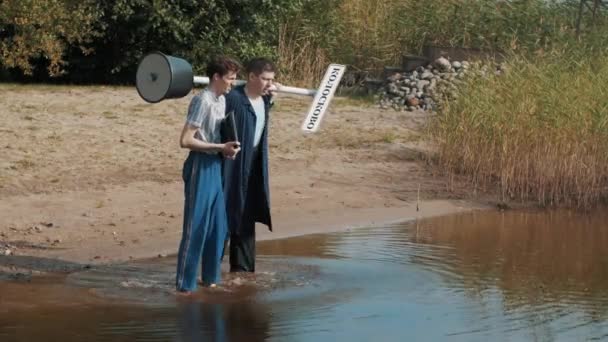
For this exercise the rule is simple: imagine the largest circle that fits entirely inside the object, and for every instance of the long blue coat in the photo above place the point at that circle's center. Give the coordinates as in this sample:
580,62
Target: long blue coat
237,172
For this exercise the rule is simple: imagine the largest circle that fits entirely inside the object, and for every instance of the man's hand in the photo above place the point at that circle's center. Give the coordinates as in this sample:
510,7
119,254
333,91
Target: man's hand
272,90
230,149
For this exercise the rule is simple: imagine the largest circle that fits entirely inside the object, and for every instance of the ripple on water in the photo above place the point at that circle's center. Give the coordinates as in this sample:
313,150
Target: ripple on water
472,277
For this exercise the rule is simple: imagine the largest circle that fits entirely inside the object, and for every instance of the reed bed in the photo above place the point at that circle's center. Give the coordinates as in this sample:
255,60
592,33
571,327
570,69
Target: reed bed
370,34
539,132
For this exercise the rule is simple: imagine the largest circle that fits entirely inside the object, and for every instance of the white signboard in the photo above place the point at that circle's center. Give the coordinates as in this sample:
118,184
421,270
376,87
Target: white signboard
323,97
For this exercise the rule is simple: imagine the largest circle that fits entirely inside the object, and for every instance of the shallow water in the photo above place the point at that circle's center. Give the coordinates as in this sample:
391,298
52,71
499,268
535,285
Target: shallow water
471,277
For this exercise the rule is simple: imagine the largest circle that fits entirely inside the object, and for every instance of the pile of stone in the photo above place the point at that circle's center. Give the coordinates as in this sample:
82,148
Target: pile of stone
424,87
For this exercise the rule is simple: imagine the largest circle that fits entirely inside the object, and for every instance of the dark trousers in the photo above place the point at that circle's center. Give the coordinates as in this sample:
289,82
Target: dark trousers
242,242
242,251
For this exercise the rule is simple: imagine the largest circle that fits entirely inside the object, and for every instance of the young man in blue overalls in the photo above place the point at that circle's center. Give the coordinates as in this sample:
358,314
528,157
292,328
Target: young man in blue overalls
205,226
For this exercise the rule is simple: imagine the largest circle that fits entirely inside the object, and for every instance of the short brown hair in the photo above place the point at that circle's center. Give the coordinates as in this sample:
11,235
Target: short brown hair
259,65
222,65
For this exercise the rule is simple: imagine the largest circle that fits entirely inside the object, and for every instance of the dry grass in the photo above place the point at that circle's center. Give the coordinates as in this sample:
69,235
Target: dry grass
94,137
370,34
539,132
73,137
360,33
354,137
300,56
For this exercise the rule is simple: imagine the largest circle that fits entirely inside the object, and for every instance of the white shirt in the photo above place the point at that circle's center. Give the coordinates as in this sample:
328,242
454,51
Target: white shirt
260,118
206,111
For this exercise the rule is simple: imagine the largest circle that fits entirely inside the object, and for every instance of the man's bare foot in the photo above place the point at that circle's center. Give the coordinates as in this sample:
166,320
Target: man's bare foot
183,293
200,282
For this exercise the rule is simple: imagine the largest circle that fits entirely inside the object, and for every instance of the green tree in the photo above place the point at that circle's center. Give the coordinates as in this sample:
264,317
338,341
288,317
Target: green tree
190,29
31,30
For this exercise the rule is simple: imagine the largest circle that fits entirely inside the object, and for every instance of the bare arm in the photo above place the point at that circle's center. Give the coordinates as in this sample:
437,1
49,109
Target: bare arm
197,110
188,140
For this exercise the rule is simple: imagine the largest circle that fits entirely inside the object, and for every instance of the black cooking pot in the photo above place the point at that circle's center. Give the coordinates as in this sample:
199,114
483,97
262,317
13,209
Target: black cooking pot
161,76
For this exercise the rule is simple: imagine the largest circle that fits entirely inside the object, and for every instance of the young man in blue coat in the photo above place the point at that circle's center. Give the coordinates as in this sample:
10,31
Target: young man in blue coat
246,186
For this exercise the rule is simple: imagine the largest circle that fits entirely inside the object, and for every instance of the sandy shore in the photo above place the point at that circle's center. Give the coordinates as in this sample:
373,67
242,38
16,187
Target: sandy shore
92,174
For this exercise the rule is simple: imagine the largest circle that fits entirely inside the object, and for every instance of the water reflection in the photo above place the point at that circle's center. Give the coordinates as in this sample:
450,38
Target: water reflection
471,277
199,322
188,321
532,275
551,269
244,321
531,257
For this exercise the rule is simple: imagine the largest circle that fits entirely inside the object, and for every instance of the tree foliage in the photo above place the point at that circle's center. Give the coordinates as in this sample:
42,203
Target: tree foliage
88,41
103,41
44,29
